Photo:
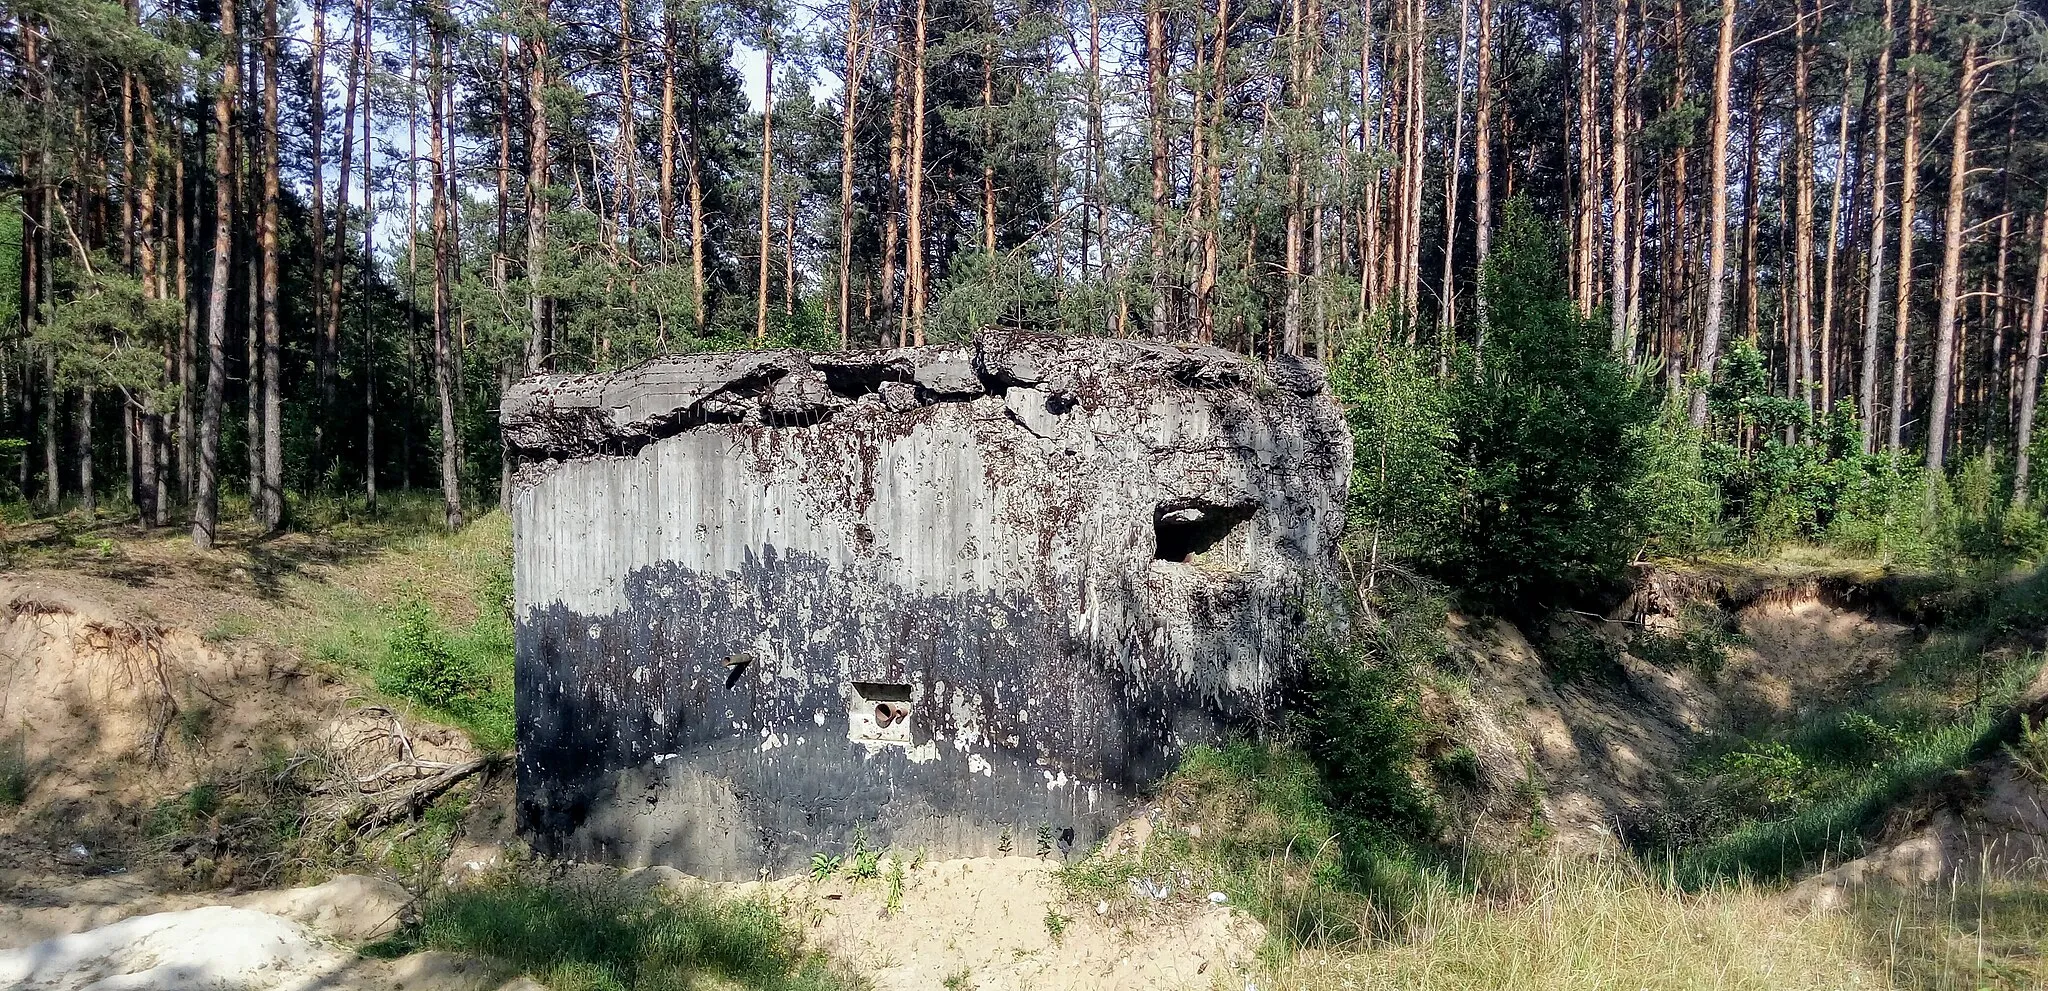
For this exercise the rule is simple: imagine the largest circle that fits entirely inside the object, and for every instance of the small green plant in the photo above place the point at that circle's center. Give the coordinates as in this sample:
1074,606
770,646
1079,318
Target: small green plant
1056,924
229,628
959,980
1768,775
1003,842
894,903
1702,647
1459,765
190,809
2029,752
823,866
867,866
461,675
195,723
15,774
1044,841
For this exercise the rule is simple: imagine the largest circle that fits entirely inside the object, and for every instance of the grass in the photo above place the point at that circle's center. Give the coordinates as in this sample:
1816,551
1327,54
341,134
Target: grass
435,632
1249,820
1611,925
16,776
1777,803
604,937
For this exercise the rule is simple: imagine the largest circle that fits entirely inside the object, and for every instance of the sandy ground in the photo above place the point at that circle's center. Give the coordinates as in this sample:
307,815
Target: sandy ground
984,924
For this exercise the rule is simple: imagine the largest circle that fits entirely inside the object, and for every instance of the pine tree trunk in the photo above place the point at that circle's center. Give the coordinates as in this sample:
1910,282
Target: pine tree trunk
1836,207
1953,236
767,175
667,199
1751,210
88,492
206,503
1453,170
1717,213
330,334
1482,164
501,245
1873,292
1156,57
856,66
1617,191
186,208
443,189
323,348
988,146
1909,183
892,233
271,505
537,191
2030,381
369,272
629,146
249,145
1802,225
53,399
1094,197
913,264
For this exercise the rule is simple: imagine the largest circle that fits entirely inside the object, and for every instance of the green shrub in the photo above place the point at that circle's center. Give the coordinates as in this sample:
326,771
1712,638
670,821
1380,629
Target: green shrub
462,676
1518,479
607,938
1364,735
421,666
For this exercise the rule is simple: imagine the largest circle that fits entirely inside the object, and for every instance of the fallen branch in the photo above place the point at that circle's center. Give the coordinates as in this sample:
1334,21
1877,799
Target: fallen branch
417,799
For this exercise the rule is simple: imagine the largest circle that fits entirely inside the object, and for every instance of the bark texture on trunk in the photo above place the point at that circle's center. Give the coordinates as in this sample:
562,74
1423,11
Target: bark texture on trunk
1717,222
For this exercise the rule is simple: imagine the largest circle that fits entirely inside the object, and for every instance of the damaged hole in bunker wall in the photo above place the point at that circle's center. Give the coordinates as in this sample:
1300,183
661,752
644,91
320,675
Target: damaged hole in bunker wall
1214,536
936,597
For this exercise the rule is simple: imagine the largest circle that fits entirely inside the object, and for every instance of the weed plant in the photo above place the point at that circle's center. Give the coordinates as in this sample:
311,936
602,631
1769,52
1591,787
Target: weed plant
605,937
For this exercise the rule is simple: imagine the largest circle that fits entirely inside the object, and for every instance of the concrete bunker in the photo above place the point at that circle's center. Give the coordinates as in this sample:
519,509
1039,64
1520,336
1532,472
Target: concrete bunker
940,598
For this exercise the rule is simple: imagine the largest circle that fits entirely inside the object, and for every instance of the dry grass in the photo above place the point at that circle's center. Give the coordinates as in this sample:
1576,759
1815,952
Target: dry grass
1610,926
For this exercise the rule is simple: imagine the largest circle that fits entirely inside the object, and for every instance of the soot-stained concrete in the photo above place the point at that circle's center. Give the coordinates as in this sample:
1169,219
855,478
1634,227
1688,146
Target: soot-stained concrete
949,598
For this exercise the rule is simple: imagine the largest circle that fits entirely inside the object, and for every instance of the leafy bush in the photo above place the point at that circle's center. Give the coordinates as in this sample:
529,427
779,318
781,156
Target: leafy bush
421,666
1550,437
1362,726
1517,480
463,676
605,938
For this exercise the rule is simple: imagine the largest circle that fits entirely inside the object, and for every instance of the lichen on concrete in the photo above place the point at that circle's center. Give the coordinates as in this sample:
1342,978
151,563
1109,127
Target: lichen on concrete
1071,558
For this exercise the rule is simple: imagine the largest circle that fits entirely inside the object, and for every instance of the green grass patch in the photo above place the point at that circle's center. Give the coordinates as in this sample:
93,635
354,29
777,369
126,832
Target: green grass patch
1251,821
451,672
1775,804
606,937
229,627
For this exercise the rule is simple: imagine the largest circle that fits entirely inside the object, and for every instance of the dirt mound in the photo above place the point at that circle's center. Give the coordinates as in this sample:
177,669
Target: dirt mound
1577,729
1986,822
127,736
